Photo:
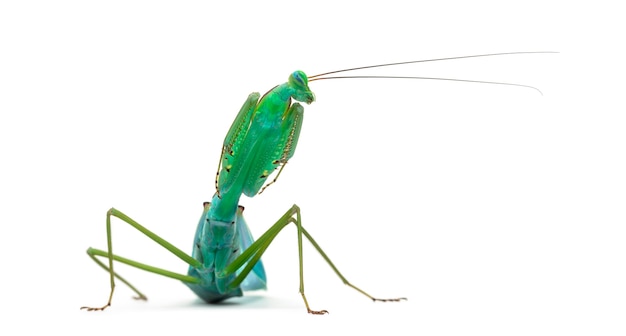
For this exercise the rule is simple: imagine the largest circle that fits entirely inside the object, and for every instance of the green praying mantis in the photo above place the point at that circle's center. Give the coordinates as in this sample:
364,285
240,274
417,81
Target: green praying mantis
226,260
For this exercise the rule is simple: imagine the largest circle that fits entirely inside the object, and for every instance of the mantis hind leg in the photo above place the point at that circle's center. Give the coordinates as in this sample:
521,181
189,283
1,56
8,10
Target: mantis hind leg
253,253
93,253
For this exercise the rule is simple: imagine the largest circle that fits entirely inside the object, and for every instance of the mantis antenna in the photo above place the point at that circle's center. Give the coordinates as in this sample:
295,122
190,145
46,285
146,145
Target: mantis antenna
325,75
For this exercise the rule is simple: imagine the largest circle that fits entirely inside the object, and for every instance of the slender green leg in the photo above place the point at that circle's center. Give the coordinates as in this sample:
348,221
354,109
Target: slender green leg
345,281
253,253
109,254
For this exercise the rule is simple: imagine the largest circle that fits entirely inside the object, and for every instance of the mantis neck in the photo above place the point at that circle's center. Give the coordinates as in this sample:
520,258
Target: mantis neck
224,208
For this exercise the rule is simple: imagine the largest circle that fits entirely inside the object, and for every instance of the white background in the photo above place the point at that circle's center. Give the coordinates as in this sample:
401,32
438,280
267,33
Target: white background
495,210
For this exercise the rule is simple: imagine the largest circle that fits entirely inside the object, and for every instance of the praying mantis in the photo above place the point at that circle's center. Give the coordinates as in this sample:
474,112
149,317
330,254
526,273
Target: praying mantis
226,260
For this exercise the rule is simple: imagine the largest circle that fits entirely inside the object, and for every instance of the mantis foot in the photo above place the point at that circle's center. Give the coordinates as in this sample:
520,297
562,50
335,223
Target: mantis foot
96,308
389,300
314,312
317,312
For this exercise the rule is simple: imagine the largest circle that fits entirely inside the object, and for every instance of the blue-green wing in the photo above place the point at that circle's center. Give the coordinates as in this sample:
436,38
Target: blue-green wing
256,279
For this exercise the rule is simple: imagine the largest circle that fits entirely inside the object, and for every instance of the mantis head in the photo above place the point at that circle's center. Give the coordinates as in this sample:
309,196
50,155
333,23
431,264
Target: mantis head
299,82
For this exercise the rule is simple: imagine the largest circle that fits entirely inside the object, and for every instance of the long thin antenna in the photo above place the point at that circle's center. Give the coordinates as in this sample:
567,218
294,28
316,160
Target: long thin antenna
430,78
320,76
434,60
